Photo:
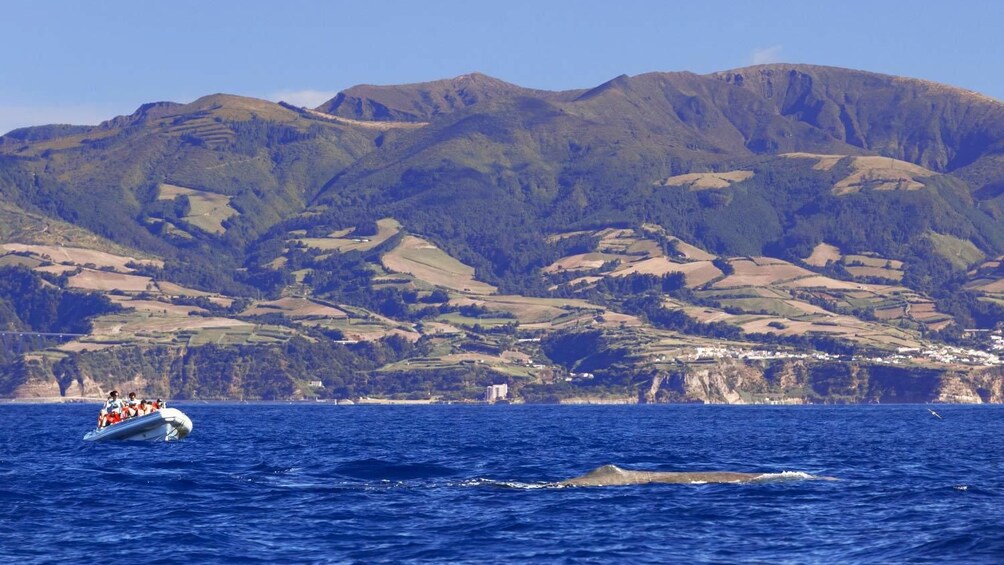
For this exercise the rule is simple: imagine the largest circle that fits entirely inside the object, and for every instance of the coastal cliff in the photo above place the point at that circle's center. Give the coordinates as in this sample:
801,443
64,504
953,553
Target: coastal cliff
264,374
801,382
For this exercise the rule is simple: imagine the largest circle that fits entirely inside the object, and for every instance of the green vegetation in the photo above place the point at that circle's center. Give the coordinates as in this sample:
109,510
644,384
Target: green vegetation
439,218
29,303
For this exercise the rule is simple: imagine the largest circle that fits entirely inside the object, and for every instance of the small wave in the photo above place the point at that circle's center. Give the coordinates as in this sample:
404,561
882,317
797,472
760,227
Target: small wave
481,482
268,469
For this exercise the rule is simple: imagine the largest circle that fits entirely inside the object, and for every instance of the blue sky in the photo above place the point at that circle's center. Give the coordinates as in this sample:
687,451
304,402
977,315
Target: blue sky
83,62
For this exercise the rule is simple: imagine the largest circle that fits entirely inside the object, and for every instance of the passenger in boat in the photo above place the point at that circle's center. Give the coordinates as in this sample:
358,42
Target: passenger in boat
132,406
111,412
145,407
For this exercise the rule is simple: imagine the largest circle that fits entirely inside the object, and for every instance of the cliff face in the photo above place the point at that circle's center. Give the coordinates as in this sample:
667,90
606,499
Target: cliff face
978,387
144,371
29,380
798,382
155,372
197,373
728,383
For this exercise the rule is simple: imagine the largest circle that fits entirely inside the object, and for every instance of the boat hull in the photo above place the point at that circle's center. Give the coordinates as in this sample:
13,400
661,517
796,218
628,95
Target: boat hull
166,424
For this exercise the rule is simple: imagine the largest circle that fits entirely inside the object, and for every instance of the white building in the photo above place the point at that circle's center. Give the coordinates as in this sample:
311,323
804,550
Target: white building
495,393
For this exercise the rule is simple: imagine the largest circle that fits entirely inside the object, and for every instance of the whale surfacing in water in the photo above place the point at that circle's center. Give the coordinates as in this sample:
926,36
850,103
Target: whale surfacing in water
611,475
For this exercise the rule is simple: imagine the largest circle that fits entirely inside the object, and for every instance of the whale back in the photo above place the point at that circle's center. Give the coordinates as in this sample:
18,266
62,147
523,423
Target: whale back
611,475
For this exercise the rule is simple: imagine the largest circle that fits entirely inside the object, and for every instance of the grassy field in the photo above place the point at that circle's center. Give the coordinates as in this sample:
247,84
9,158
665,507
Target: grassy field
426,262
89,279
537,313
870,172
636,251
881,173
706,181
361,325
770,295
697,273
822,254
876,272
208,209
769,305
959,252
343,240
79,256
761,272
19,260
583,262
293,307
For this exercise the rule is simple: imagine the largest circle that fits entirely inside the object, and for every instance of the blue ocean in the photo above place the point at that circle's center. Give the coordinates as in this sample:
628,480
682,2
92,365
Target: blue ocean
324,483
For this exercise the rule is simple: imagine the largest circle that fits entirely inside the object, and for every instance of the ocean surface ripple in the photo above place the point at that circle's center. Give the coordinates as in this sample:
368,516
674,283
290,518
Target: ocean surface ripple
322,483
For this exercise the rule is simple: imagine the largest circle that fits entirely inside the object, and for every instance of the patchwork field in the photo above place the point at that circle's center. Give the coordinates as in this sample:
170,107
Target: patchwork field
761,271
626,242
208,209
362,325
582,262
105,281
987,285
802,320
765,290
529,310
706,181
623,252
869,265
876,272
819,281
988,279
428,263
293,307
79,256
870,172
161,325
156,307
697,273
343,240
822,254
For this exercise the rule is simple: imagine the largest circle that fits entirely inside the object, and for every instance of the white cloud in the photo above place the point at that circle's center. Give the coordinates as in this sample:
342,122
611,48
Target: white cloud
306,98
17,116
765,55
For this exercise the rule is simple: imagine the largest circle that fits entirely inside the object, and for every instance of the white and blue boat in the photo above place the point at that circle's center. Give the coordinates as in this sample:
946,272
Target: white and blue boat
166,424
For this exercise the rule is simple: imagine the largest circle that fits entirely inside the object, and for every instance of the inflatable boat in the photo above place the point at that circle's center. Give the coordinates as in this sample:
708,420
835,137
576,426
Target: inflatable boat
165,424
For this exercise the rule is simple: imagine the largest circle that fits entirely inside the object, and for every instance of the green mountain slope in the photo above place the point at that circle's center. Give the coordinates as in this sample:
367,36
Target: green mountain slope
448,225
267,159
490,180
